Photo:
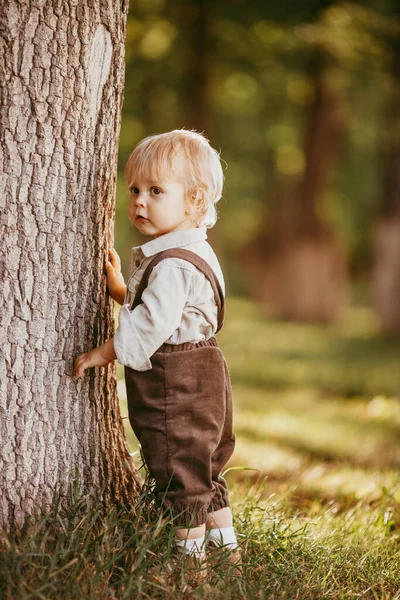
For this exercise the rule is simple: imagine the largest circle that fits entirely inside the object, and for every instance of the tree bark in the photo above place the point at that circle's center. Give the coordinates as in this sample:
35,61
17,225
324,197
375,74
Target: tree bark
297,270
61,78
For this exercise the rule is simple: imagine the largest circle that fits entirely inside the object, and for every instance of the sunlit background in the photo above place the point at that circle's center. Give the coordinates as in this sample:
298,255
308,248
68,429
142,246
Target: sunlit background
302,99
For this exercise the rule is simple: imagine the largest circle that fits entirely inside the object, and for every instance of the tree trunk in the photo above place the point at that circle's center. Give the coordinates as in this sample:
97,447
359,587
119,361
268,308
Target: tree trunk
197,66
196,17
297,269
386,273
385,280
62,77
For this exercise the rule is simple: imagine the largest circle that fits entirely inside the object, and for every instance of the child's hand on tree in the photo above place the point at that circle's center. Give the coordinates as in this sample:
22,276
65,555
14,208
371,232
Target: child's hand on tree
98,357
115,280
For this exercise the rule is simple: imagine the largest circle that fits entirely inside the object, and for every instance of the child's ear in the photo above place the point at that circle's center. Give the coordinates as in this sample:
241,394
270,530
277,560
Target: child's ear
197,198
196,202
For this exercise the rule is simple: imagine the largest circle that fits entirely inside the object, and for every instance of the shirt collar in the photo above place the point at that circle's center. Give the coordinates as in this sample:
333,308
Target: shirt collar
175,239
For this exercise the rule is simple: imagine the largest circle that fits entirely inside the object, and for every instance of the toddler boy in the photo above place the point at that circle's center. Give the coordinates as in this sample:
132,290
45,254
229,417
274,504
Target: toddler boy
177,380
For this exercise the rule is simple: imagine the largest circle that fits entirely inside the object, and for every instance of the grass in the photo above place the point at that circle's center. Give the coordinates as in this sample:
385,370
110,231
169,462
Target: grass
317,418
348,359
288,554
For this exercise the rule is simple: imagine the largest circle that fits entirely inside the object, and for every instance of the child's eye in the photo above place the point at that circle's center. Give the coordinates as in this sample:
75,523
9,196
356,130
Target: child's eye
155,190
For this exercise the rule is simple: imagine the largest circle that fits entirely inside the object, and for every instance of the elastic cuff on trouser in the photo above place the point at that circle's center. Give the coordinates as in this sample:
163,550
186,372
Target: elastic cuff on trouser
219,501
187,516
191,511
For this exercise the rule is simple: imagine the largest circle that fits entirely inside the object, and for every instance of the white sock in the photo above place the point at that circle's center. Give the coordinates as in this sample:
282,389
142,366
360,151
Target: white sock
194,547
224,536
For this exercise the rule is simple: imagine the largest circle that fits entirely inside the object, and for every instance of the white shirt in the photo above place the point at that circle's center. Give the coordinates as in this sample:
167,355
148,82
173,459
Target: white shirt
178,304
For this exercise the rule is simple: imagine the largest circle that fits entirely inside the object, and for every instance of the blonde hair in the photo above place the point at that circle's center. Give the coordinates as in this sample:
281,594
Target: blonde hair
205,178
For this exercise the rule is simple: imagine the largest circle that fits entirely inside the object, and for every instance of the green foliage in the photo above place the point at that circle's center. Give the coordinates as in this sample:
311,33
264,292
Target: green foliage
259,86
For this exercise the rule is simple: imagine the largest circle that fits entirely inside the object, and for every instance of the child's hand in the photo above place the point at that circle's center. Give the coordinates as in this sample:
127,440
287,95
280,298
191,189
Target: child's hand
115,280
98,357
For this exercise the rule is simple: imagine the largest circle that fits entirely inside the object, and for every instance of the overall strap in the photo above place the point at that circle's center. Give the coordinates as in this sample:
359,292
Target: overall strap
199,263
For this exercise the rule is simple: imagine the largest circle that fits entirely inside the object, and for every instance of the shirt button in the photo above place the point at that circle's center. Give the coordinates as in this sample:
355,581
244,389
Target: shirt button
136,286
137,263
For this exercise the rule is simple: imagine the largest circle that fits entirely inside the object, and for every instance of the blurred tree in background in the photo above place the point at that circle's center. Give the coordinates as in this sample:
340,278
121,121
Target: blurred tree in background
300,98
386,267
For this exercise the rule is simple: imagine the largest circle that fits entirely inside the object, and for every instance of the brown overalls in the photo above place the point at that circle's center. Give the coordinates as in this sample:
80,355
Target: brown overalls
181,413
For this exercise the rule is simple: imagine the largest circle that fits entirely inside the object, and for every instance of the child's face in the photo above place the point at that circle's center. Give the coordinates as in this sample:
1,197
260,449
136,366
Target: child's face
159,207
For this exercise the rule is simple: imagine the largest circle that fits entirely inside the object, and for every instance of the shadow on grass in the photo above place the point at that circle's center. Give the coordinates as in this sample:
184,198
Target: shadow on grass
383,458
349,359
362,351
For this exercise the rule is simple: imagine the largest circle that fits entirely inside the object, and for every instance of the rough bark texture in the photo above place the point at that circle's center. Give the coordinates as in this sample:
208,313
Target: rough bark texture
297,270
61,78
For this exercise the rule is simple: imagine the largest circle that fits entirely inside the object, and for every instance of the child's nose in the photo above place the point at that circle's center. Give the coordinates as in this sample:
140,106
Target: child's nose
140,200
